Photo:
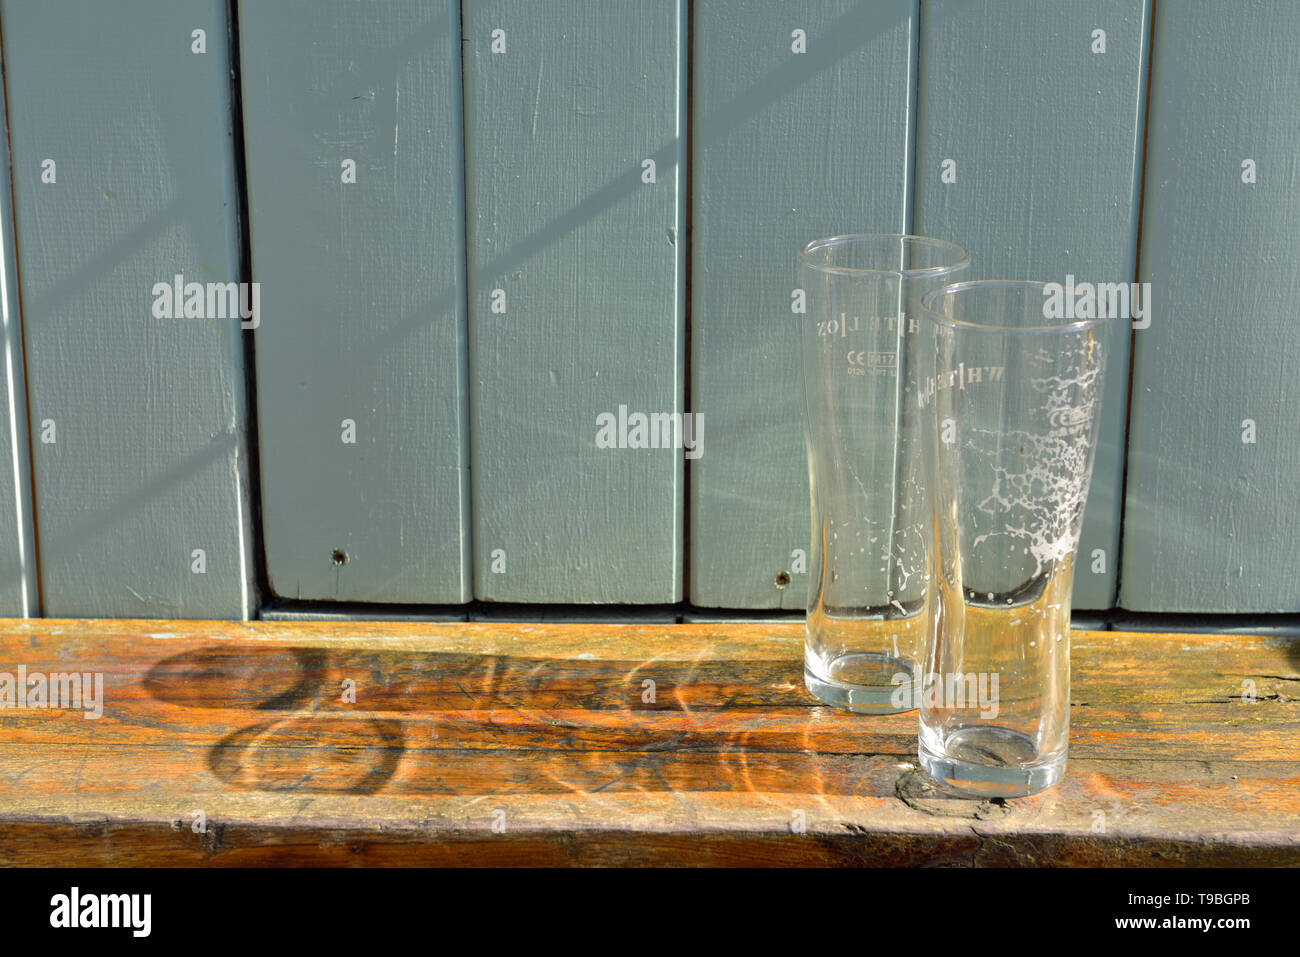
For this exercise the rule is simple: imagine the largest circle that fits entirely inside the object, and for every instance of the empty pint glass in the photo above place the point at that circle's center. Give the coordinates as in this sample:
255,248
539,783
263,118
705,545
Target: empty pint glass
1012,400
870,608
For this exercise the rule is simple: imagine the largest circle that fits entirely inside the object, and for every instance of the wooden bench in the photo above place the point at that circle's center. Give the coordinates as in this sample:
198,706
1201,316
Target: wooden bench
235,744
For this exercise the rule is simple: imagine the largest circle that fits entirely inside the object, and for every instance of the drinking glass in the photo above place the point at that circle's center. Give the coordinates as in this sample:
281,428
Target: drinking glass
1012,401
870,612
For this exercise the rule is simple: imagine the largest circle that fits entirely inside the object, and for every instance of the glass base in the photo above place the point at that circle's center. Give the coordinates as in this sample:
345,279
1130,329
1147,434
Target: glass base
884,698
992,762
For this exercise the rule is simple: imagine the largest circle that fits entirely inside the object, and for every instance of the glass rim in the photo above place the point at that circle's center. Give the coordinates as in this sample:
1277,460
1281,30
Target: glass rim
1077,325
963,258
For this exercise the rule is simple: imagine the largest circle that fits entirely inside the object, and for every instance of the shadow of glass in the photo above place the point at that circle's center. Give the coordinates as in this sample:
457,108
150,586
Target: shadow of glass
452,723
288,754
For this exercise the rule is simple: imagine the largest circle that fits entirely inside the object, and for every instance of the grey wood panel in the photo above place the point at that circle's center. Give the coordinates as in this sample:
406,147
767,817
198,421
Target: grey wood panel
141,499
362,283
350,612
788,147
1283,628
587,260
590,615
1046,138
19,594
1212,519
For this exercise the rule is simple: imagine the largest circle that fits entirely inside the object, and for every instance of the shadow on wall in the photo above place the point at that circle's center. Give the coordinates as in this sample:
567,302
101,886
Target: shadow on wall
171,130
854,30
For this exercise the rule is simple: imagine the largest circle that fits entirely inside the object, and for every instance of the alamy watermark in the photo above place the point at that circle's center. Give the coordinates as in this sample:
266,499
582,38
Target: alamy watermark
70,691
956,692
651,430
130,911
1104,300
179,299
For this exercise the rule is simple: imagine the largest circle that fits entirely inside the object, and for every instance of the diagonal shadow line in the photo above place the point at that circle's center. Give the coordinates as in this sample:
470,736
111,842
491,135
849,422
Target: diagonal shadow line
167,101
384,68
841,38
120,249
81,535
104,261
382,72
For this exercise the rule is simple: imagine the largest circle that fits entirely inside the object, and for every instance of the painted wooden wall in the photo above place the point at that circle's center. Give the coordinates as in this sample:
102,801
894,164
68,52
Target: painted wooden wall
505,265
575,143
802,113
19,594
352,132
1042,186
1213,505
121,137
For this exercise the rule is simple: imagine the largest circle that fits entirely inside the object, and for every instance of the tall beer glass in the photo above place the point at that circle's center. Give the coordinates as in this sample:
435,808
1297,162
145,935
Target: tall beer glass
870,612
1012,399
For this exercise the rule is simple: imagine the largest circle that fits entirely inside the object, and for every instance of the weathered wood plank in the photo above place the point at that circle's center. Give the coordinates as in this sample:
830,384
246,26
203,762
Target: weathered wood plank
1213,513
478,743
19,595
575,303
788,147
752,841
1043,186
352,132
139,458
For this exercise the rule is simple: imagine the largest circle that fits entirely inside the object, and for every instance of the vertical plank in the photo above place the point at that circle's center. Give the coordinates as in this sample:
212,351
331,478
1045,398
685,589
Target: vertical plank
582,254
1046,136
788,147
19,596
1213,508
362,278
138,421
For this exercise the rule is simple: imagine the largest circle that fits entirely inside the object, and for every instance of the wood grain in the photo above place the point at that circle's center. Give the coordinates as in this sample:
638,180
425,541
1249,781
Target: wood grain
363,297
1212,519
148,415
486,743
1034,198
788,147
